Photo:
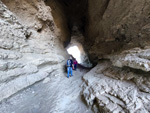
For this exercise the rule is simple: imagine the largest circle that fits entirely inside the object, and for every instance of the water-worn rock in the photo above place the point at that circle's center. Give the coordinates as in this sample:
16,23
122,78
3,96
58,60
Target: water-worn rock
26,58
111,94
134,58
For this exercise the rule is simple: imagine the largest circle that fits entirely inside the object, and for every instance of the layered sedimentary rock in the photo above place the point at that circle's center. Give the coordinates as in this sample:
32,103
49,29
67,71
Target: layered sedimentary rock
135,58
118,31
111,89
115,25
29,47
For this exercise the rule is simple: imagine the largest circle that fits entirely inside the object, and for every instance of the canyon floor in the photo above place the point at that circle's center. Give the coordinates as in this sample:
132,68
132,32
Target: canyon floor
55,94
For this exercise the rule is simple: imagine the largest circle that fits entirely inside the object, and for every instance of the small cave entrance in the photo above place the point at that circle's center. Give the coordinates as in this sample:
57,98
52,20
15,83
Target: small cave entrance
75,52
76,49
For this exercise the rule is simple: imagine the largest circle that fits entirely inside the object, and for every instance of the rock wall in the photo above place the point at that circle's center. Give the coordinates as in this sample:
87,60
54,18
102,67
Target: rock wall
29,46
117,25
119,32
68,14
61,20
39,16
115,90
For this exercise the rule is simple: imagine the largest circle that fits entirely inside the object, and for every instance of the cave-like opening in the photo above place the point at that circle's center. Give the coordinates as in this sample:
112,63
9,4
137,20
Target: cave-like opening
76,48
71,17
75,52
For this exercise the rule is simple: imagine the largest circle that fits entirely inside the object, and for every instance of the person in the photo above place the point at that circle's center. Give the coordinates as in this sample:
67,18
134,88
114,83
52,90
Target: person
75,64
69,66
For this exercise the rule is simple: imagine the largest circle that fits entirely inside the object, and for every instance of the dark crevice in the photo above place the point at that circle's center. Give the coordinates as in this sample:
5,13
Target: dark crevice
106,5
76,13
39,30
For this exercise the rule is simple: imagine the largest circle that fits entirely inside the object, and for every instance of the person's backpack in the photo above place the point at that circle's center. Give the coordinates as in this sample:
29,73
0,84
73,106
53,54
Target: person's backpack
69,63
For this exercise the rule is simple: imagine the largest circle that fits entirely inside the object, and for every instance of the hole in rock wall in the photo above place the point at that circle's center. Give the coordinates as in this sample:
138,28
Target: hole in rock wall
76,49
75,52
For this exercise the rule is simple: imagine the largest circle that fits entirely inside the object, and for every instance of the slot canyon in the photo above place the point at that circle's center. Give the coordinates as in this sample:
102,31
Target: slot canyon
109,38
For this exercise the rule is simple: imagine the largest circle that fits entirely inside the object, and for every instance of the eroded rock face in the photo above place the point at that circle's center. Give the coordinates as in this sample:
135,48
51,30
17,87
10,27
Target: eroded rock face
61,20
121,84
115,90
115,25
135,58
27,55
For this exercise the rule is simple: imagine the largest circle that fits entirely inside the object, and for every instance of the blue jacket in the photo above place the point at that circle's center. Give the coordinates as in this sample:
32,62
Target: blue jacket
69,63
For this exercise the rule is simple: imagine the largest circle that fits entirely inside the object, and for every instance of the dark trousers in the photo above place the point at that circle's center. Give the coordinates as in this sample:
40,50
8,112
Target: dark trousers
75,66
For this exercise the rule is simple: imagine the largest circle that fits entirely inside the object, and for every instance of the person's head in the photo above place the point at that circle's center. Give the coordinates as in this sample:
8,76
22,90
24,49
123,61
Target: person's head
70,58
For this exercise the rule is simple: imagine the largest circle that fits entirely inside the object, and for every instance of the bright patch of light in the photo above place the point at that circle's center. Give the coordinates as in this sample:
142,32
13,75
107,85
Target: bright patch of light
75,52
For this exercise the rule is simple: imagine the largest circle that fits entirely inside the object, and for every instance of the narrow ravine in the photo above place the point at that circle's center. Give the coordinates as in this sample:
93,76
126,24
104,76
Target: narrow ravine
55,94
113,36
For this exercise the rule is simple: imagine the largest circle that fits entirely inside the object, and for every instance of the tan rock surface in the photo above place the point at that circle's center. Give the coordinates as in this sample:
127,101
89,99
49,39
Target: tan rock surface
26,56
113,90
115,25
